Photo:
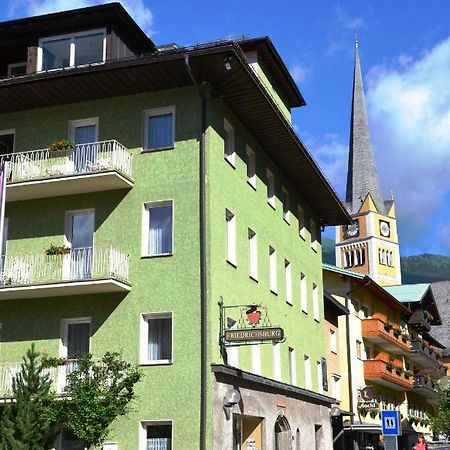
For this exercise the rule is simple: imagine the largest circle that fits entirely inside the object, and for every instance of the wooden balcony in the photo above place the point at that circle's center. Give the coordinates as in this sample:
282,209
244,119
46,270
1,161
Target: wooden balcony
82,271
378,372
425,387
420,321
384,335
86,168
424,356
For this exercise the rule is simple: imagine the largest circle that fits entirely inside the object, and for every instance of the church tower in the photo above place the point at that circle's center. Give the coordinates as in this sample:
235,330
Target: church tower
370,244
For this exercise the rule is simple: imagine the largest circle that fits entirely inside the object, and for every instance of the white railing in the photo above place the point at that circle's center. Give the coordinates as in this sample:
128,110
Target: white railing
87,263
82,159
57,376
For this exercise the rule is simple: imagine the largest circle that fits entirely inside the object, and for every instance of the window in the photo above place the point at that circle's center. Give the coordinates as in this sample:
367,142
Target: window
17,69
273,269
307,365
229,152
232,352
75,337
292,367
156,338
256,359
286,206
336,386
276,361
7,138
313,235
333,341
230,220
270,189
359,349
155,436
288,281
319,376
84,131
84,134
315,292
253,254
251,167
159,128
303,294
72,50
157,229
301,221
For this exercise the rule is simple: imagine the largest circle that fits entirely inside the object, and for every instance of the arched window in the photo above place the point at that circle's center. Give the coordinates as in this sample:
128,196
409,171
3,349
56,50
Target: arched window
283,438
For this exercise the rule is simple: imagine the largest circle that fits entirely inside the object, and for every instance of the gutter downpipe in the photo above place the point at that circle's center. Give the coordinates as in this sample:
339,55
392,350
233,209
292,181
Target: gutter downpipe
203,259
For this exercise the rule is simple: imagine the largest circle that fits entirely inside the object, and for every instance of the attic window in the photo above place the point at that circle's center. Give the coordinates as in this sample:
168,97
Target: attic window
72,50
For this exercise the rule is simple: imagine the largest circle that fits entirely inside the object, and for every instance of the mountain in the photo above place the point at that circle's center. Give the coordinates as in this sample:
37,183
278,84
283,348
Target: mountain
424,268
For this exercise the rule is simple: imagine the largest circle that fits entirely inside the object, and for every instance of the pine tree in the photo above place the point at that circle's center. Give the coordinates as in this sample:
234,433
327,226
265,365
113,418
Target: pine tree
30,422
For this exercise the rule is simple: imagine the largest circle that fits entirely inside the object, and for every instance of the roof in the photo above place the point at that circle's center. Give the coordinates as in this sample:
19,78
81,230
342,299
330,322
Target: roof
441,293
337,307
362,175
371,285
114,14
239,87
346,272
408,293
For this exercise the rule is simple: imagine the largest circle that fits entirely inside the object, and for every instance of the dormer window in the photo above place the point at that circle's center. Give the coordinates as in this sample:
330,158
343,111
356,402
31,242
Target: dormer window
77,49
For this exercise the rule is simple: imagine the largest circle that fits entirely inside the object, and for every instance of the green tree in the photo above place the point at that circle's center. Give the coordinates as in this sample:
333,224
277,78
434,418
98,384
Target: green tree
440,421
30,423
99,392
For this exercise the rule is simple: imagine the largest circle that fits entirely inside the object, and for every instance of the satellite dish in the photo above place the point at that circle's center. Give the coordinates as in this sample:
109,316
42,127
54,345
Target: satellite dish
444,382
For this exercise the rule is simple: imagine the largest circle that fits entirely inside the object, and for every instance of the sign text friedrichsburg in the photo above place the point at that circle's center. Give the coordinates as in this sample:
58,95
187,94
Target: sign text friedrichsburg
254,334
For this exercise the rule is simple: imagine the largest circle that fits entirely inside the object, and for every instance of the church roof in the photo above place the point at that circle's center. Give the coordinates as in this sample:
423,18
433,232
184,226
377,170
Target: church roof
362,175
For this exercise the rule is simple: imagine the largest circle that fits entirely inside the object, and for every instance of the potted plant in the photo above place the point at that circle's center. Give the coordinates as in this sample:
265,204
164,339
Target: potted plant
373,412
57,250
61,145
405,337
408,373
388,326
397,332
389,366
398,370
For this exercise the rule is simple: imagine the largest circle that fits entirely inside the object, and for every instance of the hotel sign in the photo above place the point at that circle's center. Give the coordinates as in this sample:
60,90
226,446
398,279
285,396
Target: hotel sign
254,334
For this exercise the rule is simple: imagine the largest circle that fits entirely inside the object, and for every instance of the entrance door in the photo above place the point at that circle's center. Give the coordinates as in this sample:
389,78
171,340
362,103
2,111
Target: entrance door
283,438
80,235
84,134
247,433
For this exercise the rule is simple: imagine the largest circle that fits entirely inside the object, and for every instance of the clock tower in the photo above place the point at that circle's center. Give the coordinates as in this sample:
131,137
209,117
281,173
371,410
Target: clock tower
370,244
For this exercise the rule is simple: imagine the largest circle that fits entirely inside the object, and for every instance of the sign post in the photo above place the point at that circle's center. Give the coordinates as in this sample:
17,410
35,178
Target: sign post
391,427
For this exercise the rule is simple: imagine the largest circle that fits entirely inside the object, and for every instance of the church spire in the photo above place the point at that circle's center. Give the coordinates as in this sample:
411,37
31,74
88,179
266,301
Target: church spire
362,176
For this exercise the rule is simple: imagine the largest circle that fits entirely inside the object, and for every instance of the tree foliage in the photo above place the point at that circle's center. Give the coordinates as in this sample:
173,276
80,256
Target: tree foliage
440,421
99,391
30,423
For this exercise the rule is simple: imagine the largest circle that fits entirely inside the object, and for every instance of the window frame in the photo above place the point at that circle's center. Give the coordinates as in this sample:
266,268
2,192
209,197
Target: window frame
251,166
142,431
73,124
146,227
231,237
143,347
252,254
64,333
154,112
271,194
230,158
286,205
72,48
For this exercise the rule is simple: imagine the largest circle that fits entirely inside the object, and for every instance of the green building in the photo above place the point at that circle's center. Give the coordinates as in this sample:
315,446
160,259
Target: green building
186,185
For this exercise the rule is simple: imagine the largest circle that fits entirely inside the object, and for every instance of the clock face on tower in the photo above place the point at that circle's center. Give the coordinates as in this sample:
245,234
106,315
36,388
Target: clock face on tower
352,230
385,229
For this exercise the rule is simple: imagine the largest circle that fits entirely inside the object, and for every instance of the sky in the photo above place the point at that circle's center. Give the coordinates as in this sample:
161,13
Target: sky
405,56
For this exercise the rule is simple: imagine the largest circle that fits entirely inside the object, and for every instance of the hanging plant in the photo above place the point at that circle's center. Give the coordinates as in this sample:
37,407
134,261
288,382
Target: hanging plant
373,412
57,250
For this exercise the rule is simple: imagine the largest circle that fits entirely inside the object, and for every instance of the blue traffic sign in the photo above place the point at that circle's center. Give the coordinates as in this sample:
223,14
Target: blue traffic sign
390,423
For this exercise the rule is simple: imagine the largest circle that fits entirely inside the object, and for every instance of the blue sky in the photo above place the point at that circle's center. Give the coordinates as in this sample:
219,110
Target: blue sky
405,54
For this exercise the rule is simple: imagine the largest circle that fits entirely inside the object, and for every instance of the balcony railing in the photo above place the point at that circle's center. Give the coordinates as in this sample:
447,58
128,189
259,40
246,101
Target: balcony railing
90,263
82,159
424,386
57,375
424,355
386,374
420,321
385,335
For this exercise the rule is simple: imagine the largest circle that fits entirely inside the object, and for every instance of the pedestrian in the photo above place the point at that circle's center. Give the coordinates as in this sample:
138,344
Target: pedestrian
421,444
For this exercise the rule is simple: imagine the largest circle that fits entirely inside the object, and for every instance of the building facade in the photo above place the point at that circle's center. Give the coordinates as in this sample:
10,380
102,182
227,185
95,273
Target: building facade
185,184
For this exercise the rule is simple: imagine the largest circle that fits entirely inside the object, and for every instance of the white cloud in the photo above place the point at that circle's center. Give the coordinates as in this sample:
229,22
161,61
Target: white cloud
409,110
137,8
331,154
299,73
348,22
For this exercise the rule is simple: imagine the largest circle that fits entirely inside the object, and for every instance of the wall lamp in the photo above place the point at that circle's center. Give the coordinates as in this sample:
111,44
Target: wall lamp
231,398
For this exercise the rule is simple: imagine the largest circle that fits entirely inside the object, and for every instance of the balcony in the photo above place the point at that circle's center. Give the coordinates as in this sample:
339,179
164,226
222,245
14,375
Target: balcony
420,321
382,373
386,336
425,387
94,167
424,356
82,271
57,375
